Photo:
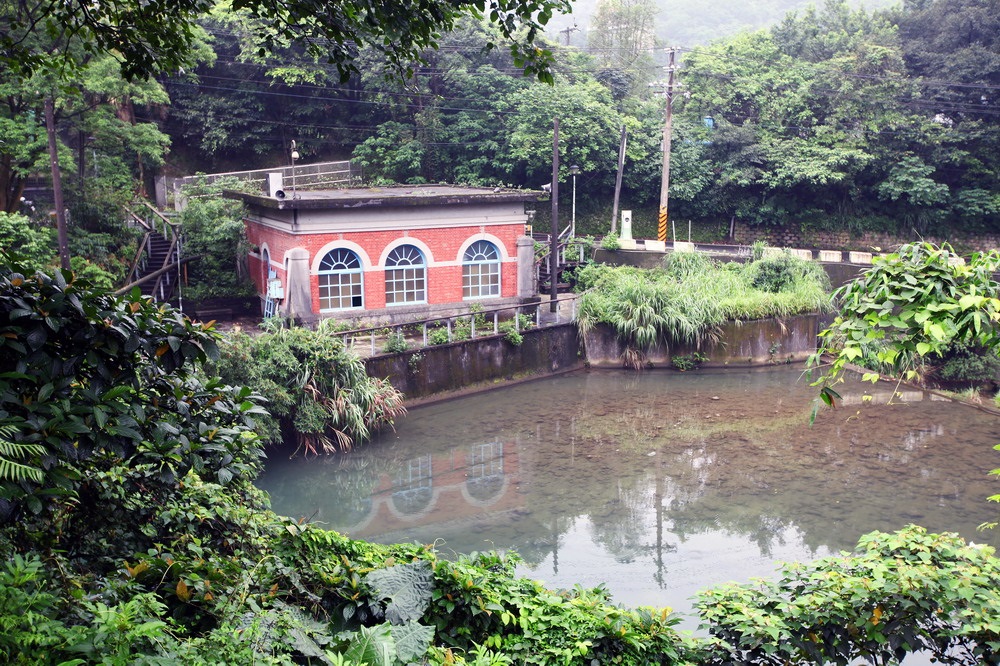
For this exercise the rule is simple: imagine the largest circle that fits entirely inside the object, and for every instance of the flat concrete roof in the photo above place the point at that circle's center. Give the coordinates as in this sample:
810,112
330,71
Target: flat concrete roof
394,195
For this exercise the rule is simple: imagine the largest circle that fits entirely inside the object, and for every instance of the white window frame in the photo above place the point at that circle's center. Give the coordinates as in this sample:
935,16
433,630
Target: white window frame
492,267
406,276
333,272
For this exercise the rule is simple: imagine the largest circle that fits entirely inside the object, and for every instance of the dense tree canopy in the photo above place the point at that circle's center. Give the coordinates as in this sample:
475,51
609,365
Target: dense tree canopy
159,36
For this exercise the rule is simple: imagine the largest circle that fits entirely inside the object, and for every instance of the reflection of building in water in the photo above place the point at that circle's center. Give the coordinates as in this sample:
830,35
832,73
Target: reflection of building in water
412,489
459,483
485,477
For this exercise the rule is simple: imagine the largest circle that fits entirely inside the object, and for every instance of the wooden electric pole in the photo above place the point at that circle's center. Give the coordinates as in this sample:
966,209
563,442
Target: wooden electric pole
661,229
57,193
568,31
618,180
554,237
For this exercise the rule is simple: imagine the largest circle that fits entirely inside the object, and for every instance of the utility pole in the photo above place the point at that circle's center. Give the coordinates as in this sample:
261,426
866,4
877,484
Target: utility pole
57,192
661,229
554,238
568,31
618,179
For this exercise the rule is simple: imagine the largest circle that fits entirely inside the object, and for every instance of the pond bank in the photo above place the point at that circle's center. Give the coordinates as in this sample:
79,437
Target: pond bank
439,372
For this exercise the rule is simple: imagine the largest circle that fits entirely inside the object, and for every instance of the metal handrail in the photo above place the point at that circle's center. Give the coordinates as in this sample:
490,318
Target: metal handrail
374,332
139,262
168,230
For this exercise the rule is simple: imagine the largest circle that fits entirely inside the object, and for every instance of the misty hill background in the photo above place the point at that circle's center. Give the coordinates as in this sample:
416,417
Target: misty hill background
694,22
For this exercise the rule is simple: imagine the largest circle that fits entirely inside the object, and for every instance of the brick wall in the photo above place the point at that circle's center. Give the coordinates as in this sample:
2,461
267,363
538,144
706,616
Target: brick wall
442,249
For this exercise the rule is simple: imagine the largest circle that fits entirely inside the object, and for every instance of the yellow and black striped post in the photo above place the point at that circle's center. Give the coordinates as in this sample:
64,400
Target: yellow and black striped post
661,227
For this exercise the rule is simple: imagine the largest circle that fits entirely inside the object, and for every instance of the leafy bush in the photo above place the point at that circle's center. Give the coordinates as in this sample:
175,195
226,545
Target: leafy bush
685,362
35,244
511,334
783,272
685,301
611,242
77,369
395,343
317,390
30,633
904,592
910,308
966,363
439,336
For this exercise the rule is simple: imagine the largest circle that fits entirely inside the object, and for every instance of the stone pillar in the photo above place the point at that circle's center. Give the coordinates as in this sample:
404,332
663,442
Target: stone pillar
525,267
625,240
298,291
626,225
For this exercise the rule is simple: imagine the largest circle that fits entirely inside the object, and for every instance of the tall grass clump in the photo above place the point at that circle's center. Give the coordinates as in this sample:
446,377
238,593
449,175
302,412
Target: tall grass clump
690,296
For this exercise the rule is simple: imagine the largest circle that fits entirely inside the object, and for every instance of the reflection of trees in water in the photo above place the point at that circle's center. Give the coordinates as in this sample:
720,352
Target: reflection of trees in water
621,525
765,475
336,490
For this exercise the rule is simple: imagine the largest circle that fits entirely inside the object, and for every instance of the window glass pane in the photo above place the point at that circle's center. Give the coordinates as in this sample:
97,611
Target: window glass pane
340,281
404,275
481,270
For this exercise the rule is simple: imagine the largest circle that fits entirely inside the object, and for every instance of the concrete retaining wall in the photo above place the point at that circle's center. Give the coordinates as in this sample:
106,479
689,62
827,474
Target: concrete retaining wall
442,370
741,344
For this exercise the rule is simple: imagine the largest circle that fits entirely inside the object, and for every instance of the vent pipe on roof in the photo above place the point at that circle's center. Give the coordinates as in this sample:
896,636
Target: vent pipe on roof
275,186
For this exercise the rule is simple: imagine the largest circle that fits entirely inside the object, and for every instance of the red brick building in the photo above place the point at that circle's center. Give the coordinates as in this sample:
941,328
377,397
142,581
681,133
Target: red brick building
389,254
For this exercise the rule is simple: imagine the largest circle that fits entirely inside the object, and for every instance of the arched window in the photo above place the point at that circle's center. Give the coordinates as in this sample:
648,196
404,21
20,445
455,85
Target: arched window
405,276
481,270
340,285
270,291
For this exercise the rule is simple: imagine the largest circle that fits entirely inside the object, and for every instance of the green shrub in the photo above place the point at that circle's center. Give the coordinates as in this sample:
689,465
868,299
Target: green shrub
611,242
396,343
969,363
685,362
903,592
439,336
511,334
29,630
316,388
35,244
783,272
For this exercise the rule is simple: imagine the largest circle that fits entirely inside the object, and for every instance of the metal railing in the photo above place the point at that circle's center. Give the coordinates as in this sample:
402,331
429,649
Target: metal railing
364,340
320,174
568,252
141,272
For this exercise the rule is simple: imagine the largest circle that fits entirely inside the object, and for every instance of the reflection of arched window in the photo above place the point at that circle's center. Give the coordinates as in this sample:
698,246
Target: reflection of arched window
481,270
340,286
405,276
414,487
485,470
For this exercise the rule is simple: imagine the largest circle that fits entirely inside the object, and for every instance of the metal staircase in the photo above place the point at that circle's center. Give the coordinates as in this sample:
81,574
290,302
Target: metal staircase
156,267
569,256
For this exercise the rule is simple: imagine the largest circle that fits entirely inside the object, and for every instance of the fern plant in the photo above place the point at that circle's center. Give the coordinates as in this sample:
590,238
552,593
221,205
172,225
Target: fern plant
14,457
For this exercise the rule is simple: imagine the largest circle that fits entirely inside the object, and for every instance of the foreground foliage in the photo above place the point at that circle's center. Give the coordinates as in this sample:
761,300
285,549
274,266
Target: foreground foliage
902,593
318,392
686,300
914,309
132,534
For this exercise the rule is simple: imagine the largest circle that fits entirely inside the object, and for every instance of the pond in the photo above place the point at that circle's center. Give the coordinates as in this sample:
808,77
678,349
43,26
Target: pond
657,484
